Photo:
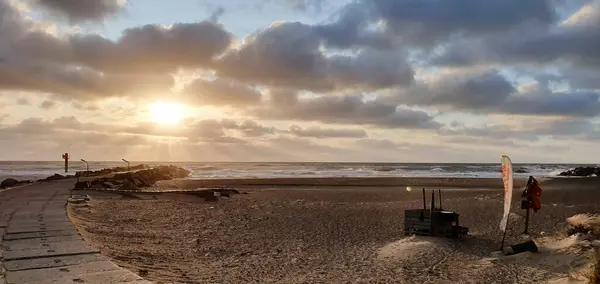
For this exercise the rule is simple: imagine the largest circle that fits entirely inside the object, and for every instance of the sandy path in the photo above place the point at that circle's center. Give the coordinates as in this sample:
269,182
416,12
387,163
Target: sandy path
340,235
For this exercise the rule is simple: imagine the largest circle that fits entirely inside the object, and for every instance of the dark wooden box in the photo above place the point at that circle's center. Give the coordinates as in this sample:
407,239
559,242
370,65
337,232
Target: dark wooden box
433,223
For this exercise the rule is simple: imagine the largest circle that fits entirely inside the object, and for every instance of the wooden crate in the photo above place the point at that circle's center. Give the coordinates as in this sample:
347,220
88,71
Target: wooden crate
432,223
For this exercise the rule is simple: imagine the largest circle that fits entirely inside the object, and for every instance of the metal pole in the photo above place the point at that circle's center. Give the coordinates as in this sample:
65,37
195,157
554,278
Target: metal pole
87,167
424,201
128,164
503,238
527,219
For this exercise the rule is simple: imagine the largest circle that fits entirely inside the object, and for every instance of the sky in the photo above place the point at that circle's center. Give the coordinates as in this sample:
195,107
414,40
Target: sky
300,80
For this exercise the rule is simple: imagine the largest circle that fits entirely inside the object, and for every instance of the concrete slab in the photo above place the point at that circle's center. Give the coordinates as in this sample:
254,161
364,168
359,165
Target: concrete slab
38,215
24,223
49,262
45,240
40,245
107,277
59,273
55,250
31,229
40,234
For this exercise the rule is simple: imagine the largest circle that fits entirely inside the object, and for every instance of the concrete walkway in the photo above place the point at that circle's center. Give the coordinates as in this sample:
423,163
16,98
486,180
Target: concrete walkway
39,244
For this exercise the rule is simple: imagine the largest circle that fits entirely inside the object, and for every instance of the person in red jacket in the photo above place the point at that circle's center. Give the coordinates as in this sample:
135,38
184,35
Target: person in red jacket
532,192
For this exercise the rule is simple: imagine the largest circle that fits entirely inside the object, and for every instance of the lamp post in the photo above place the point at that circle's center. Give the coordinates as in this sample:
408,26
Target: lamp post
87,166
128,164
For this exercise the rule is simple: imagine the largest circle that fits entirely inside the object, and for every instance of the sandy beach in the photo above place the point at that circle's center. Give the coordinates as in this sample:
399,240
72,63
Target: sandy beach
335,231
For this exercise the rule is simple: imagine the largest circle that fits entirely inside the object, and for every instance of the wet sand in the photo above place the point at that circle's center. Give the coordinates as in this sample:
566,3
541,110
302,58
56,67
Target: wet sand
323,234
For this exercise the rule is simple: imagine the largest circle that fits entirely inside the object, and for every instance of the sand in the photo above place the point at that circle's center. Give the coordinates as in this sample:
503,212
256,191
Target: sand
333,234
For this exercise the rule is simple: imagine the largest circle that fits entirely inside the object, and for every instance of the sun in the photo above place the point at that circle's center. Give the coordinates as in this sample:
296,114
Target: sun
166,113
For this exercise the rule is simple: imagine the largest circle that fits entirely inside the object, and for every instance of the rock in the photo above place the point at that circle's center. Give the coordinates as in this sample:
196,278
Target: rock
82,185
9,182
138,182
53,177
521,171
128,185
111,184
582,172
211,198
145,177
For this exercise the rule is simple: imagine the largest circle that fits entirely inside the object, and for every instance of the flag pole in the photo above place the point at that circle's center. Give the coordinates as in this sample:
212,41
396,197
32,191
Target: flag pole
503,238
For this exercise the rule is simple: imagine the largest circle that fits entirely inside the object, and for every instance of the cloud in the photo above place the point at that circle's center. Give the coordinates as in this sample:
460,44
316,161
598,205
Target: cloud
528,131
23,101
428,22
221,92
288,55
47,104
82,10
351,29
573,43
86,66
349,109
318,132
379,144
216,14
22,74
248,128
487,91
465,90
153,48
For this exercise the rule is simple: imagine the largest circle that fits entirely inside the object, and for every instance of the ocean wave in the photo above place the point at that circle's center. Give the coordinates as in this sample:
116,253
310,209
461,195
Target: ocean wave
386,169
25,170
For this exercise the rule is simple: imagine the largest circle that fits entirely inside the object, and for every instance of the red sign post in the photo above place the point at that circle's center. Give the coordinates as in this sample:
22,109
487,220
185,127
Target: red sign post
66,157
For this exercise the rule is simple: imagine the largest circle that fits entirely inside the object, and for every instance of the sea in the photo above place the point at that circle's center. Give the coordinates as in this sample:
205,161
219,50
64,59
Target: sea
225,170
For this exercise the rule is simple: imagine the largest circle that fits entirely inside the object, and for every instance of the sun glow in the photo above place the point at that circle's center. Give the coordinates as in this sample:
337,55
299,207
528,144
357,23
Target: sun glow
166,113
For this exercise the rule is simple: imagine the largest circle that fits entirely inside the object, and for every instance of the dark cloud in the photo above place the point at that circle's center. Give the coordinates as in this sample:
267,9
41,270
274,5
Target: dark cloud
426,22
23,101
285,54
79,83
248,128
82,10
461,90
574,43
580,78
221,92
490,92
153,48
92,67
351,29
575,129
318,132
371,69
47,104
288,55
351,109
